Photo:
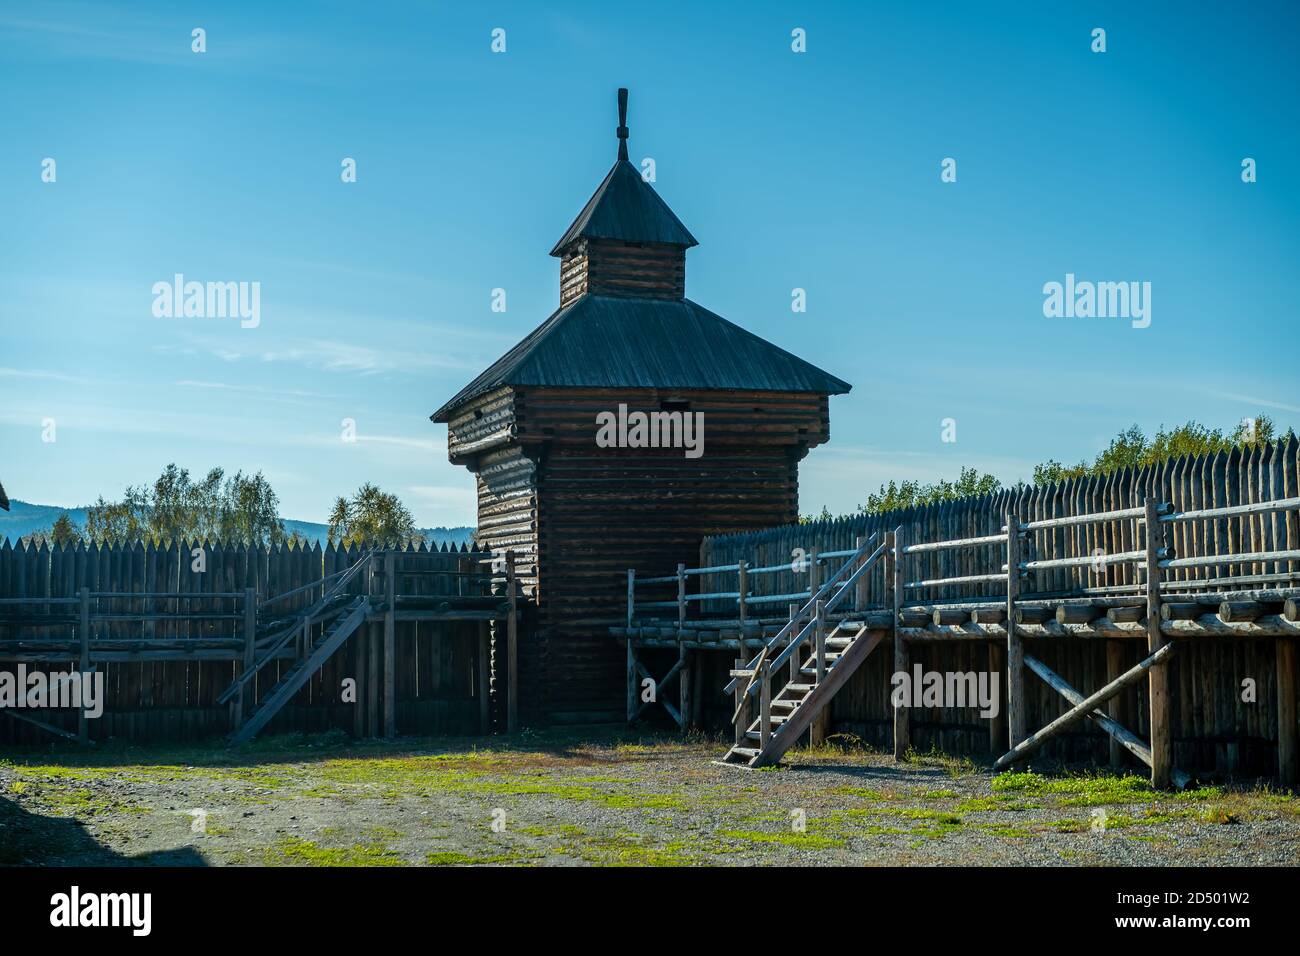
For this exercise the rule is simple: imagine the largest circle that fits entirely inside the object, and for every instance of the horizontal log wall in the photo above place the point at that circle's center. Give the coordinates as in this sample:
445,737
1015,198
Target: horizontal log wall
599,508
1213,728
160,700
611,267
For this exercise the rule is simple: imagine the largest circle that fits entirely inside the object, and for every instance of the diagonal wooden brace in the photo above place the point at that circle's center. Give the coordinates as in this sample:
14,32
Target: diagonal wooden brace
1126,738
1083,708
659,686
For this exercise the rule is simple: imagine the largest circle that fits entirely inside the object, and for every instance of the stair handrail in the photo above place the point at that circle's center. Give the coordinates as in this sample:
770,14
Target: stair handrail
310,616
822,591
794,645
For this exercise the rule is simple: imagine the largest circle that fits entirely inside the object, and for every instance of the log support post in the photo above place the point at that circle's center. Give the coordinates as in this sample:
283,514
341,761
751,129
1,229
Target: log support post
1116,706
894,583
631,681
512,641
1157,676
390,650
684,687
1286,711
1015,648
998,722
83,663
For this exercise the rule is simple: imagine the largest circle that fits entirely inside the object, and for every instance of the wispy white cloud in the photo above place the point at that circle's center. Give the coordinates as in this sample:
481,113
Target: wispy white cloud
42,375
1260,402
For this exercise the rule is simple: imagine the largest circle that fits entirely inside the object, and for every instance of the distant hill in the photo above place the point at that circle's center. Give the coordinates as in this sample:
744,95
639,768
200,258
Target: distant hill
23,518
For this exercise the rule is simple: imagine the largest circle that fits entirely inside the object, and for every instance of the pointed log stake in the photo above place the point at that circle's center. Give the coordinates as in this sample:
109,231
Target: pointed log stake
622,124
1083,708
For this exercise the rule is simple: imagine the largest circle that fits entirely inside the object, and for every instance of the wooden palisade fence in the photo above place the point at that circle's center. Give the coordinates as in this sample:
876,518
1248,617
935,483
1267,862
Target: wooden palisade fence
174,627
1063,582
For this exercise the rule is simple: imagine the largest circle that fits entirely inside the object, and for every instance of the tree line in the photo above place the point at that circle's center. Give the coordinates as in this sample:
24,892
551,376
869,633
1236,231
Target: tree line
235,508
1131,448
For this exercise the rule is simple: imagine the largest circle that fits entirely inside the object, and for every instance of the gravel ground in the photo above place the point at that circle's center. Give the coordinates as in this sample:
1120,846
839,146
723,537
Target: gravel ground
606,798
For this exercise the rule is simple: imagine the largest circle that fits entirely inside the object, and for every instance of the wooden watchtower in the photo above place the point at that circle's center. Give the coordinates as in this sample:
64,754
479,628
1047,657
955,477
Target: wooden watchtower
576,511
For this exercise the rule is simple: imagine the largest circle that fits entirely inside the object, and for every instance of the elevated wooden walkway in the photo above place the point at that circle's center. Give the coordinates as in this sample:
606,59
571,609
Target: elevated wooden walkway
806,658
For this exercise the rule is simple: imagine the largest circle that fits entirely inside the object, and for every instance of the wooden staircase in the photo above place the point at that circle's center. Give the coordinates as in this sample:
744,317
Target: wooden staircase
273,636
813,664
352,616
794,707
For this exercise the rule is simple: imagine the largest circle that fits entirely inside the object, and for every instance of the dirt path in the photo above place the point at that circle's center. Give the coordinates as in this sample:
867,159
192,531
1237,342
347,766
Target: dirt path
606,799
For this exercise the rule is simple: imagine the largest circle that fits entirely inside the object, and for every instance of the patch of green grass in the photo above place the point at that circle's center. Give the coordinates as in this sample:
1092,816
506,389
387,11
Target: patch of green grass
1200,793
800,841
980,805
1217,815
1068,826
1006,830
295,851
865,793
624,848
1083,790
453,858
939,794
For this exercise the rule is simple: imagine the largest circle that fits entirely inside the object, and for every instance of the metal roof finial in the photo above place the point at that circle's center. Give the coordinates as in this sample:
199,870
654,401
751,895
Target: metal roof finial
622,123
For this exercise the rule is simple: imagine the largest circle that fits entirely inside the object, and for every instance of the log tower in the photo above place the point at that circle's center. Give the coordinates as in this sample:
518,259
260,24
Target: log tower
575,486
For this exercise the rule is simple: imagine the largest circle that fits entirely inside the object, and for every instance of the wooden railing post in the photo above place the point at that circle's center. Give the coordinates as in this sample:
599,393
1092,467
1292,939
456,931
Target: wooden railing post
765,704
860,592
819,634
631,681
1158,675
796,659
743,588
83,663
902,714
742,703
681,603
512,644
631,597
1015,649
814,573
372,666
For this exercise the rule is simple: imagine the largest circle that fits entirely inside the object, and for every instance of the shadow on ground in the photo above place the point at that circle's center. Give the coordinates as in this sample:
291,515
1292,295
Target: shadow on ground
30,839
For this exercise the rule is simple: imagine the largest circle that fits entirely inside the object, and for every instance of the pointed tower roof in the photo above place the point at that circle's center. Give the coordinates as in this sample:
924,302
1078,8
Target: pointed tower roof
627,323
625,206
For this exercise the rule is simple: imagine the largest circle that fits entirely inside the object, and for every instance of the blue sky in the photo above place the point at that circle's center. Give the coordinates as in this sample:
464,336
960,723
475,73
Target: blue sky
817,170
